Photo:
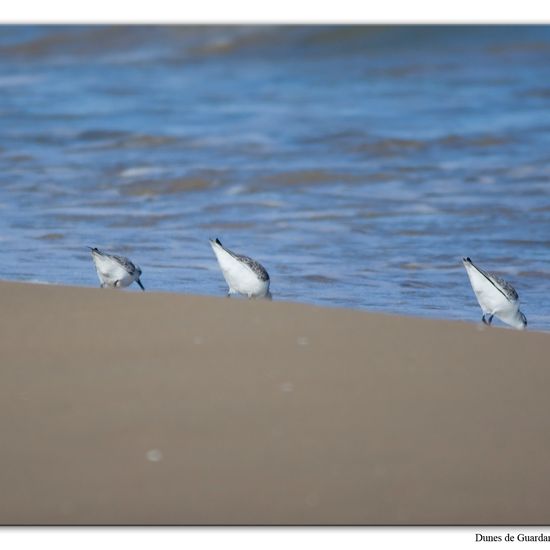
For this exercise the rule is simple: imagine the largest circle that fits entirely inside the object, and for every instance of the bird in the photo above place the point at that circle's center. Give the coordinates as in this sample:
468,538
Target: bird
242,274
496,297
115,271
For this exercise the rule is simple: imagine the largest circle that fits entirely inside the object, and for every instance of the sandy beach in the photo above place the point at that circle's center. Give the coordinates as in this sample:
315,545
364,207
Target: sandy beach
154,408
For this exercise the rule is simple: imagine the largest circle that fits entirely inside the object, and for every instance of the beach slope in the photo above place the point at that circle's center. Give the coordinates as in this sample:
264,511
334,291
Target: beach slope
125,407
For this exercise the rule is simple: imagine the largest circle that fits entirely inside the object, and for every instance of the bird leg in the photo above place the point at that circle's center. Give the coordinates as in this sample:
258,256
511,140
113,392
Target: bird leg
487,320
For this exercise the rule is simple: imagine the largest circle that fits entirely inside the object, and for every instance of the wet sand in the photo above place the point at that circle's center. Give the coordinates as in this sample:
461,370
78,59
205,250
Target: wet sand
147,408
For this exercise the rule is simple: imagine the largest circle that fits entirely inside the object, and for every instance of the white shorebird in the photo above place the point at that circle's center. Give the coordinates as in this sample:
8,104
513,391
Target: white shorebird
242,274
115,271
496,297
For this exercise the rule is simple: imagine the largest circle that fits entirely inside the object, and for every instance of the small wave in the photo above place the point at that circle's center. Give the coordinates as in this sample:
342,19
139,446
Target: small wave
227,41
399,146
541,93
322,279
534,274
76,41
238,189
51,237
101,135
136,141
390,146
527,243
411,266
19,158
148,220
309,177
331,138
140,171
519,47
228,225
114,139
484,140
153,188
14,81
417,284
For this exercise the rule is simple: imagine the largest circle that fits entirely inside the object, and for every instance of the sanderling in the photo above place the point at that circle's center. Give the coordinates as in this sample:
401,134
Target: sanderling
115,271
496,297
242,274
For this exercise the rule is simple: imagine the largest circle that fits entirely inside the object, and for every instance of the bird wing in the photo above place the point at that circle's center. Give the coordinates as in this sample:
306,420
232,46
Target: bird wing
504,286
258,269
125,263
497,283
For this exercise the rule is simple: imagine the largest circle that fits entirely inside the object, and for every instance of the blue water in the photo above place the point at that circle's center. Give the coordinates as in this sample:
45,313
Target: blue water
358,164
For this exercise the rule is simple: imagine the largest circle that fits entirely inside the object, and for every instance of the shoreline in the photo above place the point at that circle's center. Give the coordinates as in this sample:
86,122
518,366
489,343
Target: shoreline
163,408
499,325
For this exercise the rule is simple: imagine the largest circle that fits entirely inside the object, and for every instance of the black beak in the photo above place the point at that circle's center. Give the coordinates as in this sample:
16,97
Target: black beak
140,285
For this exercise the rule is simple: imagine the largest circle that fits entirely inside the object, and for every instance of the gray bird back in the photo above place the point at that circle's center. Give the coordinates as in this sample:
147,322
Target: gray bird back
504,286
255,266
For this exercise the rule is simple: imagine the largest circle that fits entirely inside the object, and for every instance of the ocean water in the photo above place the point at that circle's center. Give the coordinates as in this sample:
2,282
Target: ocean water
358,164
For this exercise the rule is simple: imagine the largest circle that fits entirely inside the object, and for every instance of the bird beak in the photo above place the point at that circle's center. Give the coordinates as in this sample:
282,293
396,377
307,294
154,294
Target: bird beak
140,285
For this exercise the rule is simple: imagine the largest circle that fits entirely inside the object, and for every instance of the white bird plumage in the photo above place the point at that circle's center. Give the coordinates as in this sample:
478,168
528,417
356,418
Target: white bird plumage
496,297
115,271
242,274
